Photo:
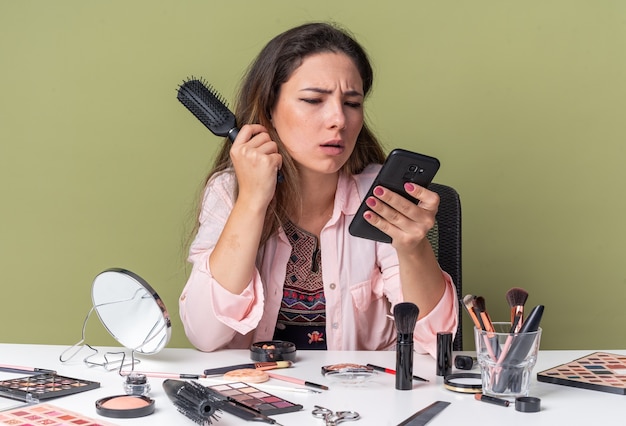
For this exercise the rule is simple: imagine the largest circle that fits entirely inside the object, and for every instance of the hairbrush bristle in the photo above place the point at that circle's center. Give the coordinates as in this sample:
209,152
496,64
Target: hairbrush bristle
208,106
516,296
193,400
405,315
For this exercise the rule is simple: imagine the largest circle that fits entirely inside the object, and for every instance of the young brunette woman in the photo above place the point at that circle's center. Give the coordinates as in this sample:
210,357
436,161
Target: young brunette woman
274,260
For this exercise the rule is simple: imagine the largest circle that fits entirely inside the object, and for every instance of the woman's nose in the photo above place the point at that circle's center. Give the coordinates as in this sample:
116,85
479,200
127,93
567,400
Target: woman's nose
337,117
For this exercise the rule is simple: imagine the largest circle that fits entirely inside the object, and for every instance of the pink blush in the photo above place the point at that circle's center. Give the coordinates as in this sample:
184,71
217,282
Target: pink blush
125,406
124,403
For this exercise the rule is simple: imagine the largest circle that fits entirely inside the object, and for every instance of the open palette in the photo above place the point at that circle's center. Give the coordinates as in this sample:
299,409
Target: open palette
43,386
255,399
46,414
599,371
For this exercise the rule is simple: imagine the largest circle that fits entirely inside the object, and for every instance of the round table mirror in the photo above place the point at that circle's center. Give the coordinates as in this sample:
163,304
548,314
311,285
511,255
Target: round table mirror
131,310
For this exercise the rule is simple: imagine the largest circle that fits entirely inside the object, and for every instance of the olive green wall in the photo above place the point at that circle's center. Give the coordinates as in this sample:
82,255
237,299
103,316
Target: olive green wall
522,101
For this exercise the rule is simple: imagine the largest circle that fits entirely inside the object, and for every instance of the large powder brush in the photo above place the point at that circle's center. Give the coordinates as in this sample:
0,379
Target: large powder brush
405,315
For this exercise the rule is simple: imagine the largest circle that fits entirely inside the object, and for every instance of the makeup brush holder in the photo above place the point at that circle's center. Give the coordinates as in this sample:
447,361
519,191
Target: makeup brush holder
506,360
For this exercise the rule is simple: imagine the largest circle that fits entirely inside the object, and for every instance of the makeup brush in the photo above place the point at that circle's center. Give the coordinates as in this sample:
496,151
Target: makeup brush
208,106
480,305
468,303
405,315
517,347
516,298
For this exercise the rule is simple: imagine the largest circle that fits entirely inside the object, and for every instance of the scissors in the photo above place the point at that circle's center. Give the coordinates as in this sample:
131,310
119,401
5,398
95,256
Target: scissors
333,418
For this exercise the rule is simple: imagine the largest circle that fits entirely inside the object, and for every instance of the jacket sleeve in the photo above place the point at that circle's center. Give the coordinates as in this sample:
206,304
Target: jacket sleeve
211,315
444,316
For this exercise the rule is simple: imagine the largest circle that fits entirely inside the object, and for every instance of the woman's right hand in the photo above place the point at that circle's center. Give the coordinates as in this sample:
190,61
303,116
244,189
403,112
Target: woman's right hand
256,161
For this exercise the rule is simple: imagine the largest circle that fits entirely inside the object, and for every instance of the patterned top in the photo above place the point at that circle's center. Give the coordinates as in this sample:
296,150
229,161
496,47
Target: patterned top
302,315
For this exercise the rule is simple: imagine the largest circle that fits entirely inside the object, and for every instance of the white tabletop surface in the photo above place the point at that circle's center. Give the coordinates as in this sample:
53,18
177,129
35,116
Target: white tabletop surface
378,402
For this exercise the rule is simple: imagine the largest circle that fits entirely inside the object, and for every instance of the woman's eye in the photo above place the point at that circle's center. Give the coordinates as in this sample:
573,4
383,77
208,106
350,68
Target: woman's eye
311,100
354,104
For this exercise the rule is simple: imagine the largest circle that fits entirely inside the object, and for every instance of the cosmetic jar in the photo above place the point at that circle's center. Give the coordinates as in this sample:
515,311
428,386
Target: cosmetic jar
527,404
136,384
273,350
125,406
464,362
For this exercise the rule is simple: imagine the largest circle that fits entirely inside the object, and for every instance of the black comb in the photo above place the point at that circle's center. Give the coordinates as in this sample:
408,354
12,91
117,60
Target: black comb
208,107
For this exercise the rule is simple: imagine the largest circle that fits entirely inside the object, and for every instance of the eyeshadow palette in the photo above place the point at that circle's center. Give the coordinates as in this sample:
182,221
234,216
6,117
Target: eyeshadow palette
599,371
255,399
43,386
46,414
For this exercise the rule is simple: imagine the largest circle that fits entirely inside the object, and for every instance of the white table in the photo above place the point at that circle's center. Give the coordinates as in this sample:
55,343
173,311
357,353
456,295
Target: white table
378,402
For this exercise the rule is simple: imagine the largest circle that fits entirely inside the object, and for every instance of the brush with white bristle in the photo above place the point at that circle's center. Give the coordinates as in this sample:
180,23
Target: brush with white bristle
468,303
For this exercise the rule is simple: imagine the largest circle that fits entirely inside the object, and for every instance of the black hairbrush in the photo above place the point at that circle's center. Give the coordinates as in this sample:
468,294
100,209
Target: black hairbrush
210,108
193,401
202,404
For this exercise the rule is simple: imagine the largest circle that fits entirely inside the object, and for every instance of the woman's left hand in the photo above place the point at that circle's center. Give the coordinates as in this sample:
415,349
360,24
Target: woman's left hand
405,222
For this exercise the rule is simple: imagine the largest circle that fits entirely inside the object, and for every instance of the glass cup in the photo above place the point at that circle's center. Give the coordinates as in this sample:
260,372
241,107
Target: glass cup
506,360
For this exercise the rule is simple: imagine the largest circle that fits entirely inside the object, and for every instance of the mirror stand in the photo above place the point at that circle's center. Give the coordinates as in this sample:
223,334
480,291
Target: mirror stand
132,312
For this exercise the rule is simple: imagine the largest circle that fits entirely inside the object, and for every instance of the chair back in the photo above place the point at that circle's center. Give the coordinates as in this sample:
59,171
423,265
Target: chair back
445,238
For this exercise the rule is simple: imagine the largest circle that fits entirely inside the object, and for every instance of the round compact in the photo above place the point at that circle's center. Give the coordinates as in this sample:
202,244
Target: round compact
352,374
273,350
125,406
463,382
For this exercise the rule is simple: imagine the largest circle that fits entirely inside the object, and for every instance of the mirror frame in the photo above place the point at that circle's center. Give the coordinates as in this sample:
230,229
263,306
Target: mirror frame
163,320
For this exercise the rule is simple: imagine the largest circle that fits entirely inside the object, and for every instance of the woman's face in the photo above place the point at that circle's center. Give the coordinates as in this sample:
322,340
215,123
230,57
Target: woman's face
319,112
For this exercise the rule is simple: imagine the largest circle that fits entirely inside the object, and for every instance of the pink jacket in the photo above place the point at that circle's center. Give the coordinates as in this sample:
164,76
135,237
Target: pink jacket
361,282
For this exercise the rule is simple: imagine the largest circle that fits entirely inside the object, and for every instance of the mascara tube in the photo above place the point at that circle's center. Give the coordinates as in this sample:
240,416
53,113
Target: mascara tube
444,354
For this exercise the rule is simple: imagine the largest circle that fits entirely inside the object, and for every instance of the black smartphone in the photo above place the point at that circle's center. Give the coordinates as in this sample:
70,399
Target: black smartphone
401,166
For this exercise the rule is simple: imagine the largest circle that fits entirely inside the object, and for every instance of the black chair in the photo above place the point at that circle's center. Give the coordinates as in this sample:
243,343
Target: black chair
445,237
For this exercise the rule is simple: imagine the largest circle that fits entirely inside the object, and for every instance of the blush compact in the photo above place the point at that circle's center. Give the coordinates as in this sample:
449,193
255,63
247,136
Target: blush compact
125,406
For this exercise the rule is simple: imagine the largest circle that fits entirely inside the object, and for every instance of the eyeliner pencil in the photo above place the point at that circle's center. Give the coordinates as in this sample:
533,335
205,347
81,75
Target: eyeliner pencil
20,369
390,371
165,375
297,381
269,365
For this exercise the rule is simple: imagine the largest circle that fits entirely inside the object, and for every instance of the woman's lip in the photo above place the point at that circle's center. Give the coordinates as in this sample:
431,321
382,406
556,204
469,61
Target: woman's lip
337,143
333,149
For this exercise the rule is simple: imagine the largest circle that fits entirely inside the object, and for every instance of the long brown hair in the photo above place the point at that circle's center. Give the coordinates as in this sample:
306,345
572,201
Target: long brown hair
258,95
